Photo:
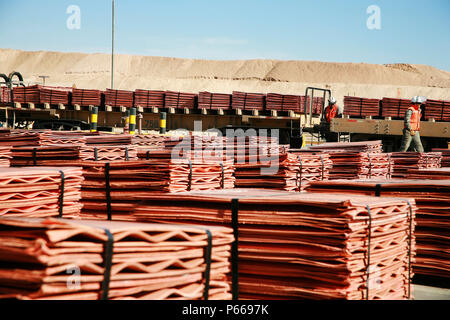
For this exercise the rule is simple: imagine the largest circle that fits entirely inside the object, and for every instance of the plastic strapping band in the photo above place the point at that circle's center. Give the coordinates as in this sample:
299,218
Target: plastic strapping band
409,248
107,261
368,252
323,166
222,183
34,156
235,249
127,157
61,194
95,154
208,253
190,176
108,191
377,190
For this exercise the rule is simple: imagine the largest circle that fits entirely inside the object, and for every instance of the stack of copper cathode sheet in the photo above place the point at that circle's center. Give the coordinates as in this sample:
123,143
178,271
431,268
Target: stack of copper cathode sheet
445,160
317,105
361,107
180,100
54,95
111,189
438,110
49,155
26,94
108,153
404,161
38,94
85,97
312,166
429,174
302,245
119,98
288,171
394,108
358,165
5,157
5,94
364,146
55,138
357,160
150,140
248,101
15,139
115,260
40,192
433,218
149,98
283,102
214,101
109,139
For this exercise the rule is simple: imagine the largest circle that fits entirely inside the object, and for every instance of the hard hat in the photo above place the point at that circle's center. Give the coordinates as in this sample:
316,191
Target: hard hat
332,100
415,100
421,100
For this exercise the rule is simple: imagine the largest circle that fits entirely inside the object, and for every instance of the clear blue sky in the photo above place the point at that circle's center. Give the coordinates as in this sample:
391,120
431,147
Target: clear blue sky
325,30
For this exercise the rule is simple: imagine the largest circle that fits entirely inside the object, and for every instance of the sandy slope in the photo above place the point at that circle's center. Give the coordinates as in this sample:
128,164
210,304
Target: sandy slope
132,72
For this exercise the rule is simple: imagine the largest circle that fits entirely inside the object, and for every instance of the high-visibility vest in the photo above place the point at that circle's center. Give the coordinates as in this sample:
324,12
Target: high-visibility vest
331,112
415,119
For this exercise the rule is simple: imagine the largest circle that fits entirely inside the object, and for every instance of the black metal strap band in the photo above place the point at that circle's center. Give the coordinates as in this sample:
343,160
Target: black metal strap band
410,218
127,157
108,191
148,155
61,194
34,156
235,249
300,174
107,262
390,166
368,251
208,254
222,183
377,190
323,166
95,154
360,108
190,176
370,165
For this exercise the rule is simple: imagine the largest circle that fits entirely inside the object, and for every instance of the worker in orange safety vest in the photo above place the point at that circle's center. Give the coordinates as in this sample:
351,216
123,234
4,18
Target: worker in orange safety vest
332,110
411,132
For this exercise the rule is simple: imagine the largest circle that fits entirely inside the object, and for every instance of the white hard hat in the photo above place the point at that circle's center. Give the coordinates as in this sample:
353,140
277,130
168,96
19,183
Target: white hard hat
415,100
332,100
421,100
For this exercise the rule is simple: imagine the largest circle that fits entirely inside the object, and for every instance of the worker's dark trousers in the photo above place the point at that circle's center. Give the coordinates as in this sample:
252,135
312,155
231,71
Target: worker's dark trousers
408,138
